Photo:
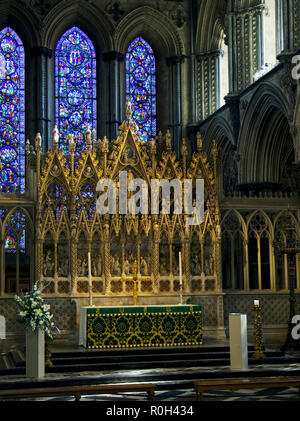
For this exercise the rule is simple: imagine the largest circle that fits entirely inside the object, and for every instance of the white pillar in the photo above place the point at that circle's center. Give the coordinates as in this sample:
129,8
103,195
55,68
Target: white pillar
35,353
238,341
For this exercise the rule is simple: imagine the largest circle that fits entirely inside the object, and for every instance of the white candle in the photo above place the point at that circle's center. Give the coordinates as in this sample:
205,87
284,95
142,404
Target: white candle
256,303
90,270
180,269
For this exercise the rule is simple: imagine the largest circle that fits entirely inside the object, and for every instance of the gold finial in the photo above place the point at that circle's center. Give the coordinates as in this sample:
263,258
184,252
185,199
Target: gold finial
134,267
72,143
38,141
104,146
93,136
168,140
184,148
88,139
128,110
55,137
199,141
152,146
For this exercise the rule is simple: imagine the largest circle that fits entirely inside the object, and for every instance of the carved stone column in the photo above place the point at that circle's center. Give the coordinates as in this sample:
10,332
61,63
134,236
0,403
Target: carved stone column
74,245
155,256
106,258
295,132
39,255
2,266
208,83
218,263
187,260
171,258
245,45
138,257
175,100
41,57
123,258
55,263
112,60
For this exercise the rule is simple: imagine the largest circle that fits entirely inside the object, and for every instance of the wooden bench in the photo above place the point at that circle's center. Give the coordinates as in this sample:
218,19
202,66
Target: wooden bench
202,386
78,391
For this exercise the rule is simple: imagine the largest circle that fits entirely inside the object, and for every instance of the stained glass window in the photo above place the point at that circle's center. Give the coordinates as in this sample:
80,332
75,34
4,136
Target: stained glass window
12,138
15,233
75,86
140,86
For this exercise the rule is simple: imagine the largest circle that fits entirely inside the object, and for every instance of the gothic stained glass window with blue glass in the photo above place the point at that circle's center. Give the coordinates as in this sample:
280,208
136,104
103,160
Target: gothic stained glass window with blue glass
75,86
12,137
140,86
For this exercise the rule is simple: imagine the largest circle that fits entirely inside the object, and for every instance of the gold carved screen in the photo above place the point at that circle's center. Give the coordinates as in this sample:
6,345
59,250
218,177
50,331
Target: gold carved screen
68,225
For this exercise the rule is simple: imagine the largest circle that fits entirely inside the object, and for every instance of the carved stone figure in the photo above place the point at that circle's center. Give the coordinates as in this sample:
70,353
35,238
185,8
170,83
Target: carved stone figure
164,269
196,265
144,266
116,267
63,268
97,267
126,267
209,265
82,267
48,264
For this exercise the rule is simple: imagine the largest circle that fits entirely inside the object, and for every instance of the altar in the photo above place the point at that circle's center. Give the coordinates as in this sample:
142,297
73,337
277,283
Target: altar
140,326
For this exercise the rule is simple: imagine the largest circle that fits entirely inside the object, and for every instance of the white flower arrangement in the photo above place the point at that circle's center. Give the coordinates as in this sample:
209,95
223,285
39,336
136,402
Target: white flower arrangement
33,312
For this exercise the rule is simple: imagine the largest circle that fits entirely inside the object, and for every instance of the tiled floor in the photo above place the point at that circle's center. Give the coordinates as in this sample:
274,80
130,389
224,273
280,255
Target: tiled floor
177,394
177,391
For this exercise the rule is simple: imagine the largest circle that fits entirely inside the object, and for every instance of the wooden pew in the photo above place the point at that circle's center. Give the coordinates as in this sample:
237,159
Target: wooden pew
202,386
77,391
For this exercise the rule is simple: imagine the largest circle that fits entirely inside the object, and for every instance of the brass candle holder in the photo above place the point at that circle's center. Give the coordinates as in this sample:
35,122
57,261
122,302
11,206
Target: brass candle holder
258,345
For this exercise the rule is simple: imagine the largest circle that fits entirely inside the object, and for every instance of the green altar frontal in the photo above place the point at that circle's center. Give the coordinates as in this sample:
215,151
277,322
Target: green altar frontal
151,326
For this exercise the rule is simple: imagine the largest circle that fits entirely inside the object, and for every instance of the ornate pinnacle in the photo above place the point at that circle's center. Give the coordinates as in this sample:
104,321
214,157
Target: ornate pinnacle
184,148
152,146
72,143
128,110
168,140
199,141
94,136
55,137
38,142
104,146
88,137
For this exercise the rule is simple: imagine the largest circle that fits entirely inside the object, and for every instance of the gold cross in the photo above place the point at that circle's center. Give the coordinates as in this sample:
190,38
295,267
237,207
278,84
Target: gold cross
135,281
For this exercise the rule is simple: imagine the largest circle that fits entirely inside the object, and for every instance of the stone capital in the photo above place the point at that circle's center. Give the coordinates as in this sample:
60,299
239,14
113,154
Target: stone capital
113,55
171,61
41,51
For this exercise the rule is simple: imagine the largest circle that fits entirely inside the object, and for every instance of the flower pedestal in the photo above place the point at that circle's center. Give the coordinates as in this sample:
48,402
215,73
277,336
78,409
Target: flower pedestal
35,353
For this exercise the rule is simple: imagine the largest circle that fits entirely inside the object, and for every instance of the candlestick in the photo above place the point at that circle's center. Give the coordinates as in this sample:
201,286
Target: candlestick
180,269
180,277
258,337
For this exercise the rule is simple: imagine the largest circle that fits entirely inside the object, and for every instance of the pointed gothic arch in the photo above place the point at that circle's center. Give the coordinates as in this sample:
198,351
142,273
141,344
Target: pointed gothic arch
12,112
75,86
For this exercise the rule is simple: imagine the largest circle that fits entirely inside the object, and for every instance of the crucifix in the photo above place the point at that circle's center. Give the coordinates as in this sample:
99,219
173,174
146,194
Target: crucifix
135,279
